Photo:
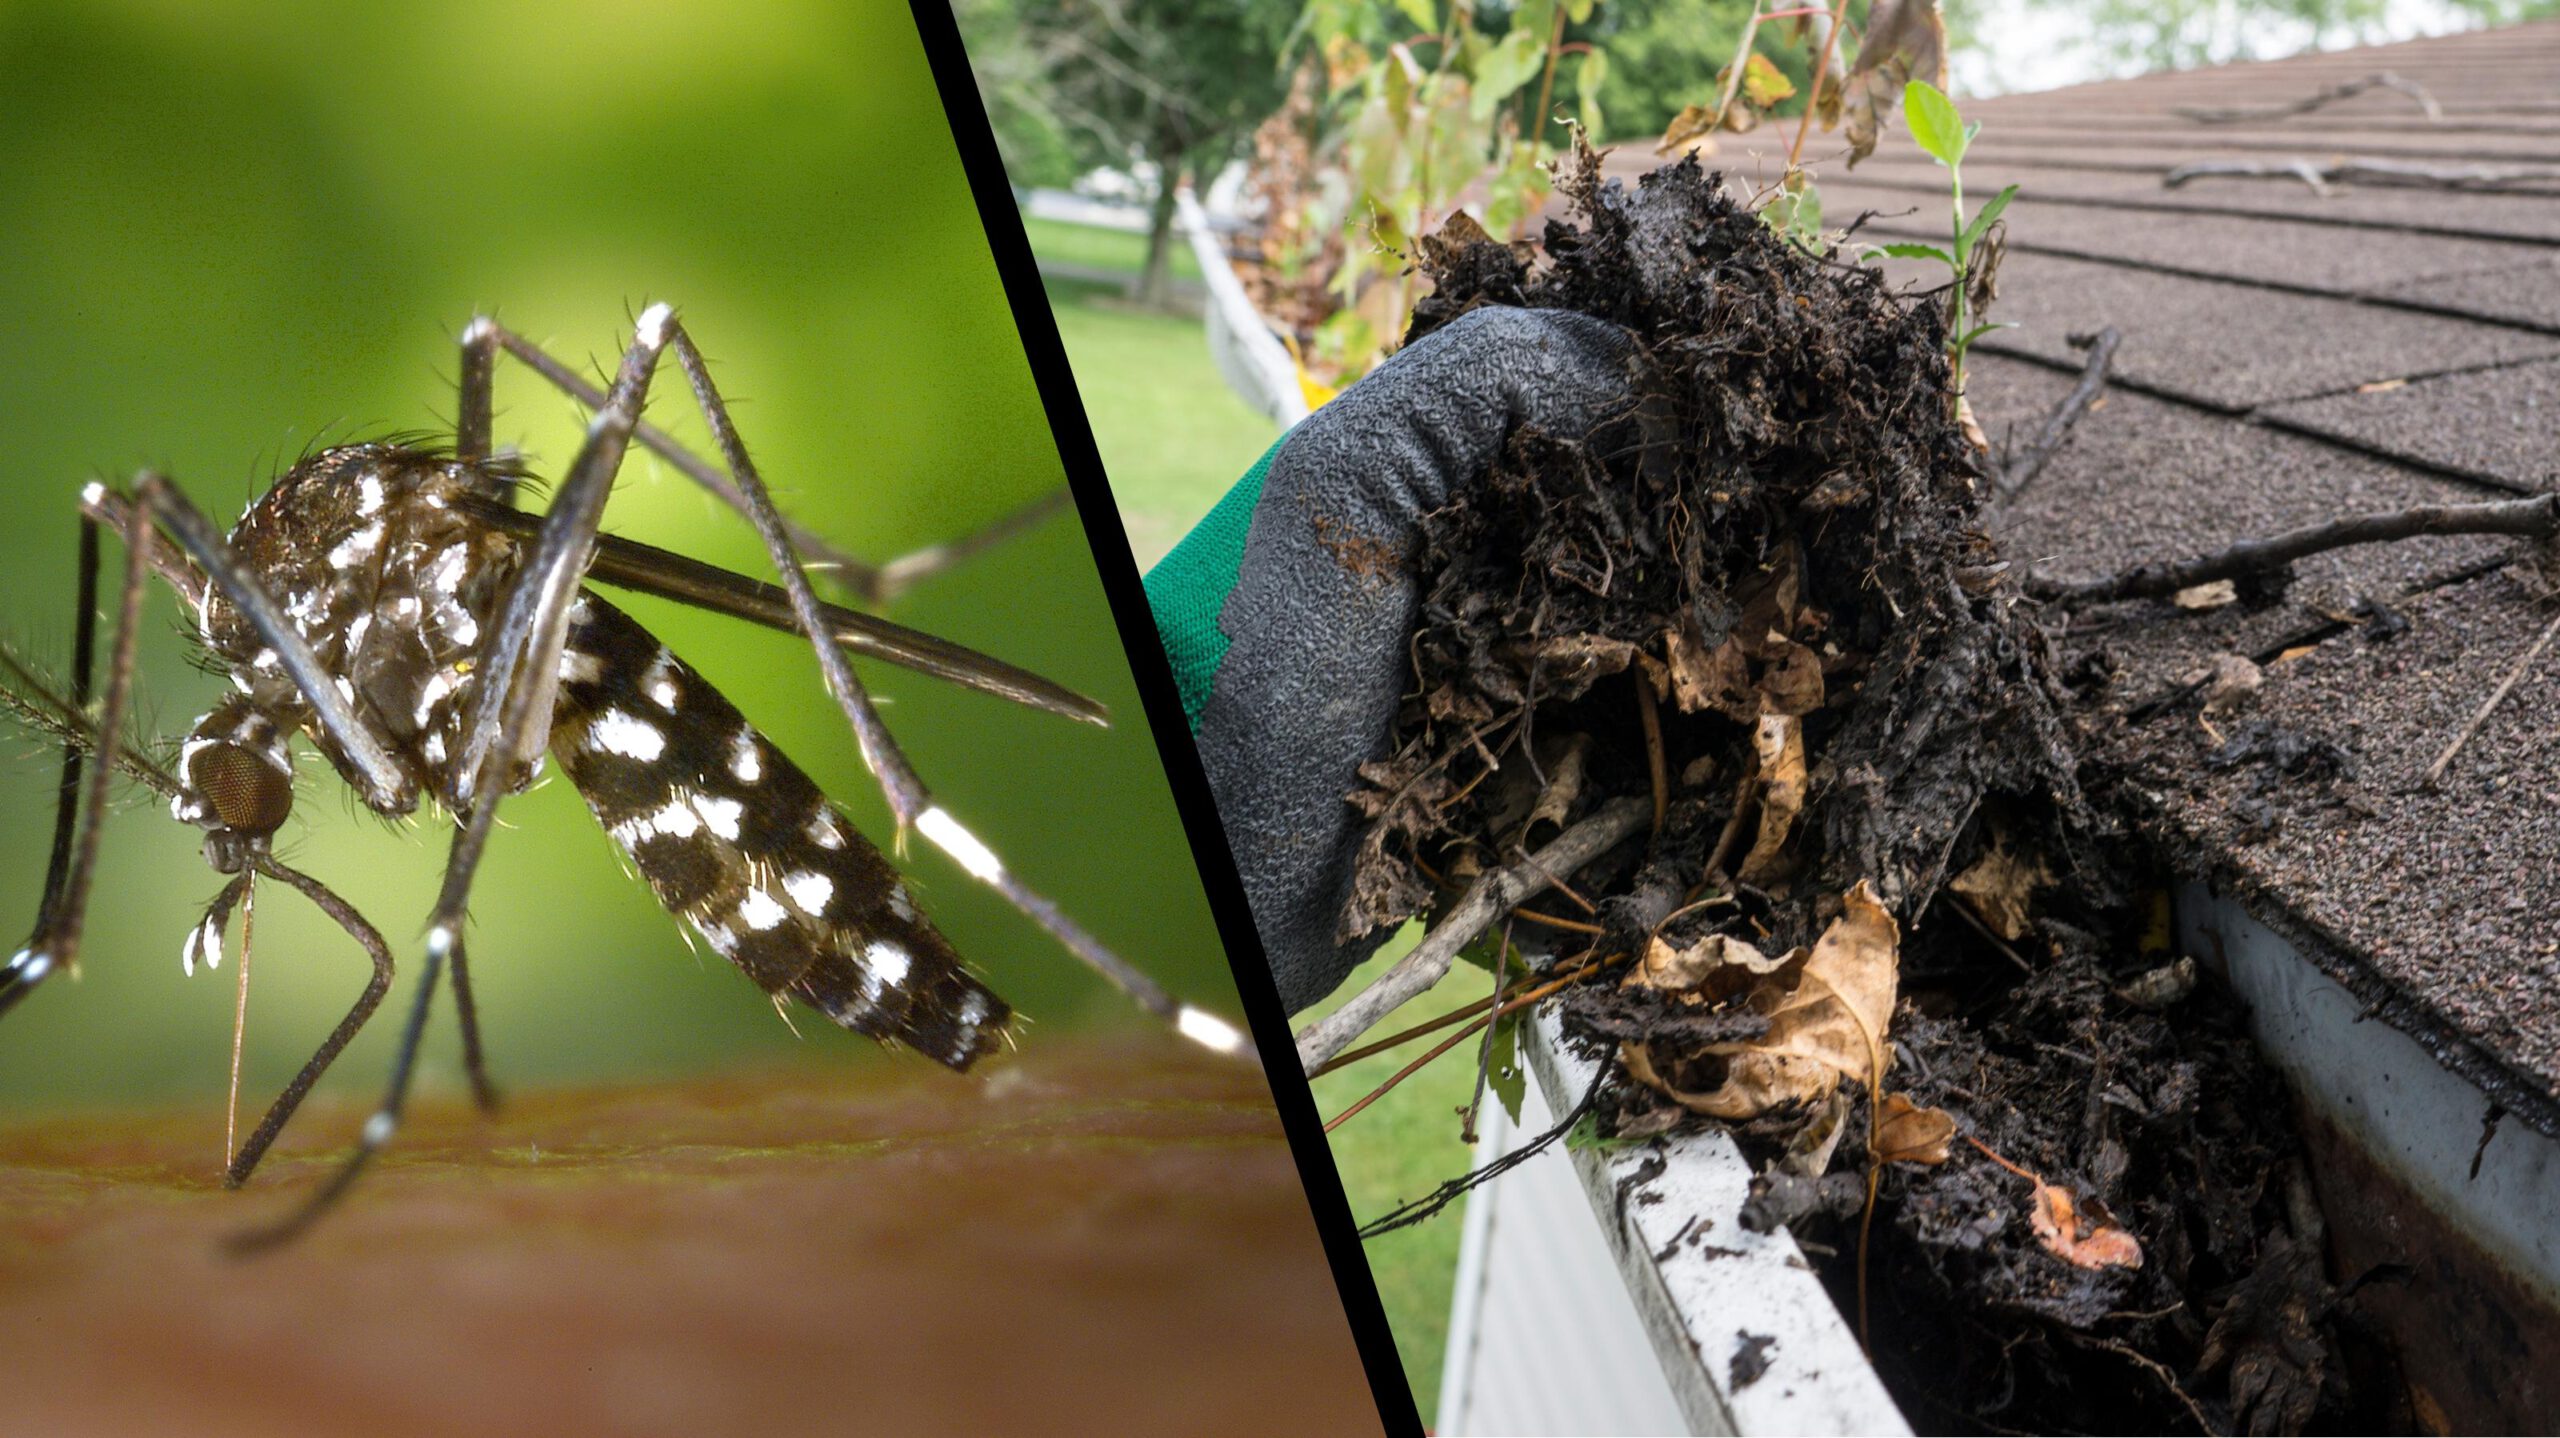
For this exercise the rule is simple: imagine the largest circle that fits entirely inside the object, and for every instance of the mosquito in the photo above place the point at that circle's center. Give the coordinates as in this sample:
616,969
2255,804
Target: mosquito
387,603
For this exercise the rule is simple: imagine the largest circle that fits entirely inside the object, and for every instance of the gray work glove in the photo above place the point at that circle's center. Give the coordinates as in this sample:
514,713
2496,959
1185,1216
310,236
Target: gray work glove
1324,598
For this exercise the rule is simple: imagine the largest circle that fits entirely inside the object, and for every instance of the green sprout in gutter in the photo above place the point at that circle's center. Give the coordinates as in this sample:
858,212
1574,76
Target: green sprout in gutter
1942,132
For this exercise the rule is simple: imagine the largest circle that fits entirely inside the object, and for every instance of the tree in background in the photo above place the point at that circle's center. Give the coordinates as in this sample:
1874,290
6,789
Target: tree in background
1013,84
1167,89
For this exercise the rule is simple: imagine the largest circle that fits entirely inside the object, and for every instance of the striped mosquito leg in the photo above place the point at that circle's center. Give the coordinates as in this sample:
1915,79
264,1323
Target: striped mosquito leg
474,405
909,800
56,942
733,838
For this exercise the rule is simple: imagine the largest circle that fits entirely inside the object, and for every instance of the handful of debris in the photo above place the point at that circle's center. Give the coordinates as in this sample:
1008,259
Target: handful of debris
1777,548
1762,600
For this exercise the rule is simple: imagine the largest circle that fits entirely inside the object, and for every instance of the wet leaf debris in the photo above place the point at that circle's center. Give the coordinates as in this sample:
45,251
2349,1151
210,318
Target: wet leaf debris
1885,925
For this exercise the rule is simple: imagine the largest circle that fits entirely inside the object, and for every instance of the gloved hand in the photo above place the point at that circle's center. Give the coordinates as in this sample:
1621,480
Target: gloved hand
1288,634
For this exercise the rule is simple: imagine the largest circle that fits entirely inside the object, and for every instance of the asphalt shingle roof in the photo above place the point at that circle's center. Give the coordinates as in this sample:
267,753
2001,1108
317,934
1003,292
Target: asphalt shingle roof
2289,358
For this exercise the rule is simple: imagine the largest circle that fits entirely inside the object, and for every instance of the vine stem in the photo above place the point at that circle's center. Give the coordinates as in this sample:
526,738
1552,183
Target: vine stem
1741,62
1813,92
1461,1036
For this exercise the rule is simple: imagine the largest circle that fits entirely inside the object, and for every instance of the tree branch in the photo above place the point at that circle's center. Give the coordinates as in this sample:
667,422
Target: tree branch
1487,900
2322,175
2383,81
2535,518
2498,696
2057,425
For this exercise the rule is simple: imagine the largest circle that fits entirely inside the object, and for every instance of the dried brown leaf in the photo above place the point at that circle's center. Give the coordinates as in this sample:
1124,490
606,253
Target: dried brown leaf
1455,234
1908,1133
1693,123
2232,681
1998,888
2085,1242
1769,604
1809,1149
1713,969
1972,427
1792,682
2207,596
1780,742
1564,784
1569,664
1827,1025
1905,41
1703,678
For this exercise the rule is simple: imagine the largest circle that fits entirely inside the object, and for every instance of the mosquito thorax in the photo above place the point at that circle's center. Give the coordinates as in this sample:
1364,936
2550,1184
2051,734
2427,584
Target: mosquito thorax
373,557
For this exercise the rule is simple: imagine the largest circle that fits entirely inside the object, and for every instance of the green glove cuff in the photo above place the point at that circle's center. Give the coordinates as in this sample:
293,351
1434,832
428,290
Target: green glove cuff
1188,588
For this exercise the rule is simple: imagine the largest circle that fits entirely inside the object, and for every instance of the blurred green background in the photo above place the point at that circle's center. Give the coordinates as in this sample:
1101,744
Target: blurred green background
237,230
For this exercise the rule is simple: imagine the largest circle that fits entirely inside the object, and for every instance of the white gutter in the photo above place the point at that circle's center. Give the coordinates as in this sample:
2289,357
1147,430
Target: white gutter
1249,357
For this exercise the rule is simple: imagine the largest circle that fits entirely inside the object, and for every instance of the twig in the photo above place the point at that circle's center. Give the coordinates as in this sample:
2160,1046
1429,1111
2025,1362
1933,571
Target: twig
2324,175
1459,1014
2479,717
1520,911
1655,761
1957,906
1400,1075
1555,921
2020,473
2167,1379
1484,1021
1551,877
1485,901
2535,518
2386,80
1732,84
1993,1155
1732,834
1813,87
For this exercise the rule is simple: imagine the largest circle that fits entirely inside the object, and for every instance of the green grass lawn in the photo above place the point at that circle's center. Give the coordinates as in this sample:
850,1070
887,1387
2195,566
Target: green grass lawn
1103,249
1173,436
1402,1147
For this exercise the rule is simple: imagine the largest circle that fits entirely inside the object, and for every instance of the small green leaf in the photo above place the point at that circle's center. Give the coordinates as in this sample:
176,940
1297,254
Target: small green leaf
1578,11
1505,68
1982,220
1911,252
1764,82
1934,122
1964,346
1795,211
1587,82
1585,1135
1422,13
1386,232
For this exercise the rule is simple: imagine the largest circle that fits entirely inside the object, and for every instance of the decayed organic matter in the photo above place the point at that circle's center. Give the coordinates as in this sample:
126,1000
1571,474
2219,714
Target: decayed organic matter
1881,905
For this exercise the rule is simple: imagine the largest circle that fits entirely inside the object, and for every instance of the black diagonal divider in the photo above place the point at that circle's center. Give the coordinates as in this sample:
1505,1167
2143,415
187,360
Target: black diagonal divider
971,132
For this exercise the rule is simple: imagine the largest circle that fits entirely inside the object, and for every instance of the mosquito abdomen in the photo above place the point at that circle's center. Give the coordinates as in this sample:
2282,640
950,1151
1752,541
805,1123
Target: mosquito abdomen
737,841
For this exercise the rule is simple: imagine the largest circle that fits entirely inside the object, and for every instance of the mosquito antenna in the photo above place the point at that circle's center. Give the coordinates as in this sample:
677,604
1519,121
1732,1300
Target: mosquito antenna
41,706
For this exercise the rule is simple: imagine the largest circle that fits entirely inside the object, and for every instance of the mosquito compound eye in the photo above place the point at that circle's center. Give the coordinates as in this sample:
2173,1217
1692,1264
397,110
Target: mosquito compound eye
247,793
